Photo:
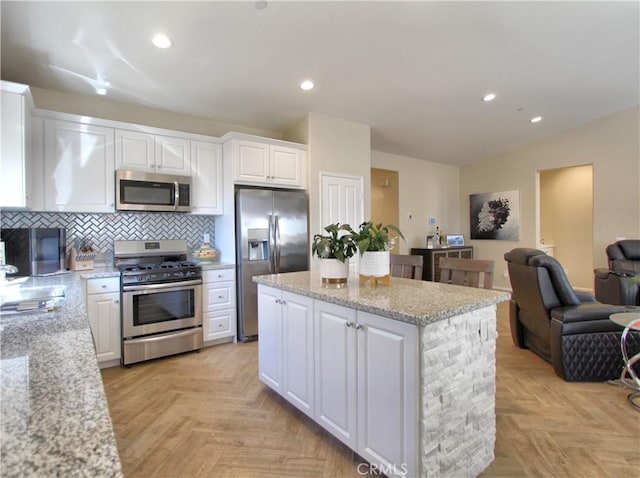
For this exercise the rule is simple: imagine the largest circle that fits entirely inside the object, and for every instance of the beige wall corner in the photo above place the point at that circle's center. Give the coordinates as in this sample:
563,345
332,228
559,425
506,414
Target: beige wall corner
427,189
336,146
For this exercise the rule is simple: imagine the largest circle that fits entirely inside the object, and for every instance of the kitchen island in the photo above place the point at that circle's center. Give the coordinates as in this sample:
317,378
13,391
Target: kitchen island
54,417
403,374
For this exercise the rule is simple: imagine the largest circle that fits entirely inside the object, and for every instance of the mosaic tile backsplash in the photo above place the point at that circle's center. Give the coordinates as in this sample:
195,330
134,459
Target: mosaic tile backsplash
103,229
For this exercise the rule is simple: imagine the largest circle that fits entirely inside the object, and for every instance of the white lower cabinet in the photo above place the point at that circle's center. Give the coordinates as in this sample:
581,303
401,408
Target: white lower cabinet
103,309
335,369
285,346
219,304
355,373
387,404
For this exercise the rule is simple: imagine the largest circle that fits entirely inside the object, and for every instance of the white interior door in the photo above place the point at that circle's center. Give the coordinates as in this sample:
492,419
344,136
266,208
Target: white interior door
341,200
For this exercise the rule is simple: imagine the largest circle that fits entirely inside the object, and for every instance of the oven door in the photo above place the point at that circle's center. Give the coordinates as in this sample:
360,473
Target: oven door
155,308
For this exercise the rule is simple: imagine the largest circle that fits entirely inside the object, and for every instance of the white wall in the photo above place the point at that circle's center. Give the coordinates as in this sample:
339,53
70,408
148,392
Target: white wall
427,189
336,146
610,144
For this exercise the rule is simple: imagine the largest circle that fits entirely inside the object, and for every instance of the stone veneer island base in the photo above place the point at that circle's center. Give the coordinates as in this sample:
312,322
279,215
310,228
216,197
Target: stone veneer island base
404,373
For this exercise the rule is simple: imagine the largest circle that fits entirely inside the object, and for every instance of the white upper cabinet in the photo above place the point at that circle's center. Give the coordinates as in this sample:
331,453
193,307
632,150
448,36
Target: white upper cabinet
206,178
268,162
141,151
15,162
78,167
135,150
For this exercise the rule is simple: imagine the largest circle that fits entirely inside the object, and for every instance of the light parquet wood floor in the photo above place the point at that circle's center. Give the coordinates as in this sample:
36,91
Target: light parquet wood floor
207,415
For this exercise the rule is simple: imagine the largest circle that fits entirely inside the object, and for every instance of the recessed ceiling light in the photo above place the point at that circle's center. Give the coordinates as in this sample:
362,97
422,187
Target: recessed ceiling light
101,91
489,97
306,85
260,4
162,41
536,119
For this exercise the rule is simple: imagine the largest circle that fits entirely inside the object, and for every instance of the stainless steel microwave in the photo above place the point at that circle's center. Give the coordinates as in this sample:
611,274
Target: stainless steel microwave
139,191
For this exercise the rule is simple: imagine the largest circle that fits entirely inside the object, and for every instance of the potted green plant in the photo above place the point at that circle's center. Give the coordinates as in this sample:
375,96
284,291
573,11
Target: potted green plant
334,249
374,243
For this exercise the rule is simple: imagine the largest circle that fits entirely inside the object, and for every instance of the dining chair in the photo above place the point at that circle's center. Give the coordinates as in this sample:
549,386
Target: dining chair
406,265
467,272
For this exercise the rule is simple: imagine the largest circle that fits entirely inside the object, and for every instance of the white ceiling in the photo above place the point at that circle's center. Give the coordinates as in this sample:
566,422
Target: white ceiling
414,71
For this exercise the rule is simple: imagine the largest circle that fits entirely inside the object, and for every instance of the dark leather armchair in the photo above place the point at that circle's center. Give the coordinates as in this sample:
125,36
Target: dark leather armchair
620,284
568,329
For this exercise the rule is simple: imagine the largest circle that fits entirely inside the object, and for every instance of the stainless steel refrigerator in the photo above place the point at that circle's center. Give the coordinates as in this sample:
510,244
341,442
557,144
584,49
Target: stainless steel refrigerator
271,237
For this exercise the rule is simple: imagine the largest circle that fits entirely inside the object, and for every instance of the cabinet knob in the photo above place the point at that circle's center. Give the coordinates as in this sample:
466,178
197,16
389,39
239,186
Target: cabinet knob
104,286
348,323
359,326
116,301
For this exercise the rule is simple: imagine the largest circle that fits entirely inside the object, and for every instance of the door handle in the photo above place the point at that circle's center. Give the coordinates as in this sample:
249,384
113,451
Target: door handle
277,244
271,245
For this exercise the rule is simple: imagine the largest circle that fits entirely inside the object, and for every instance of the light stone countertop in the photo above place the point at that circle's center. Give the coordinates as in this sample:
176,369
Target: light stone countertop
54,416
413,301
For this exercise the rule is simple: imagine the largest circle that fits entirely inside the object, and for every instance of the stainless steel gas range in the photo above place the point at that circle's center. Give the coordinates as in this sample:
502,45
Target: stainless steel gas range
161,297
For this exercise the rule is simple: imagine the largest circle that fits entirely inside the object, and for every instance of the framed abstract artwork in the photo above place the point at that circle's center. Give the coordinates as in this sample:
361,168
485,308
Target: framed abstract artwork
495,216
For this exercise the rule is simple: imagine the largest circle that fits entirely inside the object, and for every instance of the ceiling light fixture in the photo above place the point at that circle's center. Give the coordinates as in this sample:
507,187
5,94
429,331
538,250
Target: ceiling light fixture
162,41
536,119
306,85
101,91
489,97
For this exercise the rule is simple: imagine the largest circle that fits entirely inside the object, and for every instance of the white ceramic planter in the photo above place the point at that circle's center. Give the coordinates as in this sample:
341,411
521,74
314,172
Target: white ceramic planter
333,271
374,264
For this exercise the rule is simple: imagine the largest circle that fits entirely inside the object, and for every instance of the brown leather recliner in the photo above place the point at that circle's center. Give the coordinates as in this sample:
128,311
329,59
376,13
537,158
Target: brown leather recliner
620,284
568,329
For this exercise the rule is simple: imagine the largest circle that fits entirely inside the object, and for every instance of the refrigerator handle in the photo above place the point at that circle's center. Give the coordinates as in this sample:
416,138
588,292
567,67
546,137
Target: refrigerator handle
272,247
276,237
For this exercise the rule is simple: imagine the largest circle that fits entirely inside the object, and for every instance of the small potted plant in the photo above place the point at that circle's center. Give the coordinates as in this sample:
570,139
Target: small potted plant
374,243
334,249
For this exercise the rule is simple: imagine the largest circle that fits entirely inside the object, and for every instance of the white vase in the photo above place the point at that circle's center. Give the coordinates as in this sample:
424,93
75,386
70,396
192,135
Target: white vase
333,271
374,264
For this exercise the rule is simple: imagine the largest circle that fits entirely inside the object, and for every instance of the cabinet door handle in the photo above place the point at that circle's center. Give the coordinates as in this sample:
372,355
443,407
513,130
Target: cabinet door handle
348,323
359,326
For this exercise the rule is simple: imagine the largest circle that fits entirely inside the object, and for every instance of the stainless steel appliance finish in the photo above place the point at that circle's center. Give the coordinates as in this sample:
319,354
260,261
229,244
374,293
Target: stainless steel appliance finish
36,251
161,296
139,191
271,237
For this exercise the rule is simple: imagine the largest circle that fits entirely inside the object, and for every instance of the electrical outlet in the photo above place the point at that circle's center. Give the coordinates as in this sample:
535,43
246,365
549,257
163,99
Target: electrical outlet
620,238
505,274
432,220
